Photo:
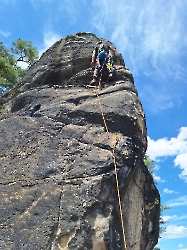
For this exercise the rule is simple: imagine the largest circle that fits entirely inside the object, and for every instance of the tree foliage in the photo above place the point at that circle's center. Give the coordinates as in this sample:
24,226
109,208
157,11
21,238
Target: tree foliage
151,167
24,51
8,69
162,209
149,163
10,72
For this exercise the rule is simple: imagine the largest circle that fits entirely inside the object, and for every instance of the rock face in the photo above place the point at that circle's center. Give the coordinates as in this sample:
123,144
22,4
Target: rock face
57,177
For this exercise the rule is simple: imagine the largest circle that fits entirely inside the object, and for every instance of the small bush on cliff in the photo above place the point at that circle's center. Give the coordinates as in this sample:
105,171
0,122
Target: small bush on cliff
151,167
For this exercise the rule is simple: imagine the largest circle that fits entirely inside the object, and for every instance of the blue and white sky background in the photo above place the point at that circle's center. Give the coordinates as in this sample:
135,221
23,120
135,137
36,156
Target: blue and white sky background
152,37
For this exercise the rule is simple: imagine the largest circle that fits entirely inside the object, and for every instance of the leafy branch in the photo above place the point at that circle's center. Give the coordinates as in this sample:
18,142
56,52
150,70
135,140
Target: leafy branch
10,72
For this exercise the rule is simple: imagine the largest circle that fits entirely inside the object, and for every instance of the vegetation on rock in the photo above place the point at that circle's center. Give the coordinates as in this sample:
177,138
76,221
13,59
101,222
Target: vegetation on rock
10,71
151,166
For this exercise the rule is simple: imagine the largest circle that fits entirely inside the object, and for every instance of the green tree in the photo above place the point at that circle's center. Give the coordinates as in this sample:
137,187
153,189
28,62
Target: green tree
24,51
10,72
151,167
8,69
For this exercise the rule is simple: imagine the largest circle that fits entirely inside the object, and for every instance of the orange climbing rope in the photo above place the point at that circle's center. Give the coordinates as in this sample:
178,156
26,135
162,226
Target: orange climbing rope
119,200
115,168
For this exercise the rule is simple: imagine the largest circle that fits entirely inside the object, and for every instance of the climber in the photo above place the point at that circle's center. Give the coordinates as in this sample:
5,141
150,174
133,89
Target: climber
102,55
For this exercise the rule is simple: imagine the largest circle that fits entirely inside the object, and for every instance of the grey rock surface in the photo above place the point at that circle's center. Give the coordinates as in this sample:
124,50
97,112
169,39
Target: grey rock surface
57,178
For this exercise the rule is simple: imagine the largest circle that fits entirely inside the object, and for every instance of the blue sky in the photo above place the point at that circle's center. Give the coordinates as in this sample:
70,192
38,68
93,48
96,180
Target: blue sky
152,37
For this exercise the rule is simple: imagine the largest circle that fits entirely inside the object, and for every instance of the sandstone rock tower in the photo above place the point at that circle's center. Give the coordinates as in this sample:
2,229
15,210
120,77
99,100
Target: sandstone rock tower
57,178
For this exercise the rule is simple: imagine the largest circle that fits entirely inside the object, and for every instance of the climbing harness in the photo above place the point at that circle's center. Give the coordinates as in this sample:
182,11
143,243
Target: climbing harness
114,160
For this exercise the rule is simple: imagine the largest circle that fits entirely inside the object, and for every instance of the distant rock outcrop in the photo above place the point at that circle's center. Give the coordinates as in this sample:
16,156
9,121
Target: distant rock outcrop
57,178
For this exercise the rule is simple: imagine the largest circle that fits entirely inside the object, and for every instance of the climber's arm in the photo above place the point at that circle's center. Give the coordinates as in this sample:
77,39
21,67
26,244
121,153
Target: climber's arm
94,55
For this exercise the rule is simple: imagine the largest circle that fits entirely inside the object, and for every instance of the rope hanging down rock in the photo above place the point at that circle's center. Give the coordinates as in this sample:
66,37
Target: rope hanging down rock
115,164
116,174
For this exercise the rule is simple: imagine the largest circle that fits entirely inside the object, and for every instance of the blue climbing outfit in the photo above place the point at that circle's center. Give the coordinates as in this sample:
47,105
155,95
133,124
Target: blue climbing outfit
102,55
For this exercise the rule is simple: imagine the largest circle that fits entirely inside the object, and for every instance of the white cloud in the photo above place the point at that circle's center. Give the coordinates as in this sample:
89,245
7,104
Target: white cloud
180,201
50,38
36,4
148,30
157,178
23,65
8,2
71,9
181,161
5,33
174,232
174,217
152,37
168,191
67,8
183,217
181,245
168,147
169,217
157,167
176,146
